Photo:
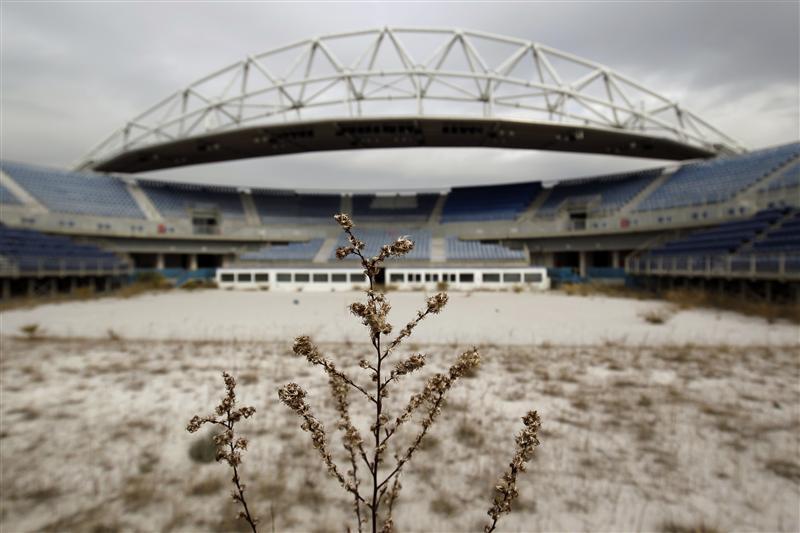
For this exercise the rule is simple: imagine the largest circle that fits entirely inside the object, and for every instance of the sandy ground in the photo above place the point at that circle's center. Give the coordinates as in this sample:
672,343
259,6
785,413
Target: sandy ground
479,317
93,439
693,422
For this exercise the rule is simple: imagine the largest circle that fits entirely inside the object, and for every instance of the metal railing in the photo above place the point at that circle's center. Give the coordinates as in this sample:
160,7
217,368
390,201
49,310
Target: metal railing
755,266
38,267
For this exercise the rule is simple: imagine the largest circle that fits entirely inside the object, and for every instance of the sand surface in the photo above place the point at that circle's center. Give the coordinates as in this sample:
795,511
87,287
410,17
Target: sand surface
472,318
93,438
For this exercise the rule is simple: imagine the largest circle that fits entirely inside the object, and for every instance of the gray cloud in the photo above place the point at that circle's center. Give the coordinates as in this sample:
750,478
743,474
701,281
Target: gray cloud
73,72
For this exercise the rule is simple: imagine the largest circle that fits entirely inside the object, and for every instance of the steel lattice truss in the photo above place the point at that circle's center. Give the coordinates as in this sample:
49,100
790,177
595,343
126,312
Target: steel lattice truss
412,72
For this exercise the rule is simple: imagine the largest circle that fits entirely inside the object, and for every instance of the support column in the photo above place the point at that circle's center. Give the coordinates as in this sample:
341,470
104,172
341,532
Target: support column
31,288
192,261
582,264
73,284
768,291
615,256
53,286
160,261
6,289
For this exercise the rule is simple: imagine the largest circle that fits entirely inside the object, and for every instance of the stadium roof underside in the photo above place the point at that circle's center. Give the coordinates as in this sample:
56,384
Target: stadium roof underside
404,87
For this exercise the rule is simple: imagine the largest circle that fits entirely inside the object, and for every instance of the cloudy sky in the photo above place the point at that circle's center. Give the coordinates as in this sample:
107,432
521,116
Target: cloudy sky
72,73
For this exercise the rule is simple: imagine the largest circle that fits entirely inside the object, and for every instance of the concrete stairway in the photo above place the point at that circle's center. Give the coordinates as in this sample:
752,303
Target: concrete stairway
144,203
26,198
326,250
250,210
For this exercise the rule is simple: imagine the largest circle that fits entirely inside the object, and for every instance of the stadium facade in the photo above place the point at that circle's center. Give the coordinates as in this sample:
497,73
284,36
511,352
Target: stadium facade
720,215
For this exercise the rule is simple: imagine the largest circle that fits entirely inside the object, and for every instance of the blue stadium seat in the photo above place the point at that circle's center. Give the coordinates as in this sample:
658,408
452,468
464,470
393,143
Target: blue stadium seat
613,191
289,207
717,180
374,239
458,249
496,202
409,208
7,197
31,250
174,200
74,192
293,251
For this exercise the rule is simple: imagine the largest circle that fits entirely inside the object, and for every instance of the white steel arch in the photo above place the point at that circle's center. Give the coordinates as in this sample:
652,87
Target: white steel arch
411,72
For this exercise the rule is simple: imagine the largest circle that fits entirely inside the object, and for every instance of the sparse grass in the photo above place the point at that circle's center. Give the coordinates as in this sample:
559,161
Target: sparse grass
203,449
195,284
443,506
675,527
206,486
784,468
30,331
656,316
468,435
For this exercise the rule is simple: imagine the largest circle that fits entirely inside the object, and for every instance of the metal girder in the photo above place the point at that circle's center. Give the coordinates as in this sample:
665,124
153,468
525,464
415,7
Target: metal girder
421,73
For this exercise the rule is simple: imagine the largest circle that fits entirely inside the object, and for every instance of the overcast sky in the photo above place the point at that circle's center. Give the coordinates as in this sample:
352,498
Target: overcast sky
72,73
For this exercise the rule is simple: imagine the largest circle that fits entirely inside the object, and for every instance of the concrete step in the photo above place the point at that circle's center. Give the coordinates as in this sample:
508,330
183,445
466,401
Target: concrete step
325,251
24,196
144,203
250,210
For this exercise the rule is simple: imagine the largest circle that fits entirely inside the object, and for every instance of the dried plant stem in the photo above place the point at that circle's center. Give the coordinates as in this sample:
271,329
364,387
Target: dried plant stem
227,439
239,495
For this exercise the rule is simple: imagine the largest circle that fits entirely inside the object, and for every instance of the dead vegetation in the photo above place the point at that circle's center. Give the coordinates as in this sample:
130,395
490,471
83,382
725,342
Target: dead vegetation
664,426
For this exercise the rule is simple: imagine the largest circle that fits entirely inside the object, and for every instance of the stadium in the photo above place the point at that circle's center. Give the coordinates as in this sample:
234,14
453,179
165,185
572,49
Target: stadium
703,213
719,215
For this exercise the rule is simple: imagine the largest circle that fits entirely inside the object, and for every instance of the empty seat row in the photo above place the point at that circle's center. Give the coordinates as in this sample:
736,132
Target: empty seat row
292,251
32,250
74,192
611,192
175,200
374,239
719,179
497,202
467,250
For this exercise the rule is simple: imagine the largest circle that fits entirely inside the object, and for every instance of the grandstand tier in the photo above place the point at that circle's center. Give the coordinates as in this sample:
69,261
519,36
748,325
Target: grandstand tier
28,250
717,180
292,251
175,200
73,192
603,193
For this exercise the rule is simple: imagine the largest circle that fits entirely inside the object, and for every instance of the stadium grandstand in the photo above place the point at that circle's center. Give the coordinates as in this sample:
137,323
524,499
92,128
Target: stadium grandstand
730,218
716,212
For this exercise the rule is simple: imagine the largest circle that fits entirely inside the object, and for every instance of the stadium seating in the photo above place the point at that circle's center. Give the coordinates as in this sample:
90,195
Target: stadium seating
409,208
498,202
173,200
784,238
717,180
73,192
7,197
30,250
293,251
788,179
610,192
374,239
758,241
456,249
289,207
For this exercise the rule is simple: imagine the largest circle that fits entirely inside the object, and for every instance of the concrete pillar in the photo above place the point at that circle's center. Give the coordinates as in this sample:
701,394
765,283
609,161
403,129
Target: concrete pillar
73,284
615,259
30,287
192,261
160,261
582,264
53,286
768,290
5,289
